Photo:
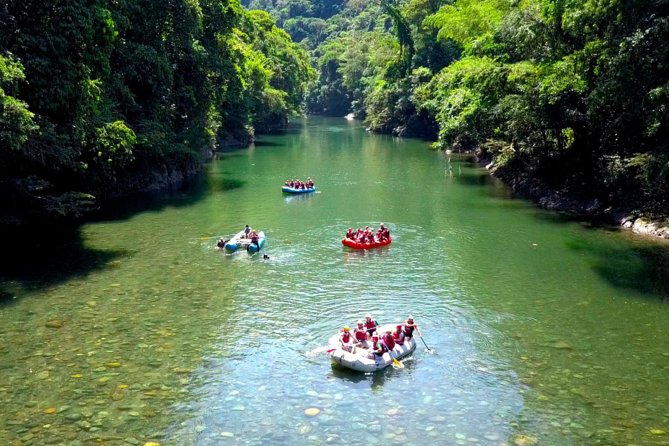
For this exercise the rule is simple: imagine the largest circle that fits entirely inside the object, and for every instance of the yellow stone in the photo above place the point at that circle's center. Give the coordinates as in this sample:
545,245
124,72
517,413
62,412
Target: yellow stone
77,375
50,410
151,443
657,432
113,365
122,386
524,440
312,412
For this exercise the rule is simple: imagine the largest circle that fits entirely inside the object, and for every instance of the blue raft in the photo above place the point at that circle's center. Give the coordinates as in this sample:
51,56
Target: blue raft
240,241
291,190
252,247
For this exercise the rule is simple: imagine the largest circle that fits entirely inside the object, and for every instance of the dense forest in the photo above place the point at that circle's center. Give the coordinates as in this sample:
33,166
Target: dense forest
104,98
567,96
100,98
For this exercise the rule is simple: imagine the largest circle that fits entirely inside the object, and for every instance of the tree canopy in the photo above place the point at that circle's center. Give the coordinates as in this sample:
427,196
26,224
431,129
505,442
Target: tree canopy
100,99
573,94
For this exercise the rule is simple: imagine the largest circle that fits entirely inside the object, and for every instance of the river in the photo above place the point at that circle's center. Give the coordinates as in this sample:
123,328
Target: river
543,330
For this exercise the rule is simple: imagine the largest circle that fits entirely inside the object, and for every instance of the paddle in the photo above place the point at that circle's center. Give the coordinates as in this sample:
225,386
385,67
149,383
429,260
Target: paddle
420,335
396,363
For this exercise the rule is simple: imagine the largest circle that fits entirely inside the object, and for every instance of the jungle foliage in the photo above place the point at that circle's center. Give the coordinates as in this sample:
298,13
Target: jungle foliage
574,94
100,98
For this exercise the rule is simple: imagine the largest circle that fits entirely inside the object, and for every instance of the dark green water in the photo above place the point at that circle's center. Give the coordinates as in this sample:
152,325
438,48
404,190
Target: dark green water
138,330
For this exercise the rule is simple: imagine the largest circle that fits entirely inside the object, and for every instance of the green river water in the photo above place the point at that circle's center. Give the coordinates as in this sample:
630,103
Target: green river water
137,329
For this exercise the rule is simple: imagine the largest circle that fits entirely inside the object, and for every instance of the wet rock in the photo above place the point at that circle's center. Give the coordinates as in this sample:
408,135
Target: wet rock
525,440
312,411
53,323
227,434
73,416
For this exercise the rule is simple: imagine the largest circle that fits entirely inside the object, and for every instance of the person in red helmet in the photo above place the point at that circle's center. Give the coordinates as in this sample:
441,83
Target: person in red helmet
398,335
376,349
349,233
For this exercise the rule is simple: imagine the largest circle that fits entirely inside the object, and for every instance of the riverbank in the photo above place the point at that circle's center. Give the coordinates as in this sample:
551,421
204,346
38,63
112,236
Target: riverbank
583,207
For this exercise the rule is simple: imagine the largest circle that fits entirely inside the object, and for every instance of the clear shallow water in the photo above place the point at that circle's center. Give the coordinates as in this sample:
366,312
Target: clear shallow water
137,329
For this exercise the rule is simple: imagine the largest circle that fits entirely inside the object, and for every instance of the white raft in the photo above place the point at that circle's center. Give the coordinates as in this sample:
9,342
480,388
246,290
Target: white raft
358,359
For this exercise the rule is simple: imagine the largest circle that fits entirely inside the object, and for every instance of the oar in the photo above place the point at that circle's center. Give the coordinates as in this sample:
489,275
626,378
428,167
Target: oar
429,350
396,363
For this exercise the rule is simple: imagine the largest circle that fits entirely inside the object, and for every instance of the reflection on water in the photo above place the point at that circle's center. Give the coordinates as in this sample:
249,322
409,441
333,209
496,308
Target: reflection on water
138,329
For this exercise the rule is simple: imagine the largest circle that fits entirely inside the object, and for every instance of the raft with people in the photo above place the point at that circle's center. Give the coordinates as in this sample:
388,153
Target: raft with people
299,187
247,238
359,359
292,190
366,238
366,245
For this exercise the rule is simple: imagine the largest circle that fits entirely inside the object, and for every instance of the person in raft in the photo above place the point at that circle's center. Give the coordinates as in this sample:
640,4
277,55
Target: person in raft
377,348
254,239
247,231
370,324
398,335
346,340
361,335
388,340
409,327
221,243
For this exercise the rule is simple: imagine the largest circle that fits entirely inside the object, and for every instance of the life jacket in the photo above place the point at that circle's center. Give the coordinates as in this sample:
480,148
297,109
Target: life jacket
346,337
378,345
389,341
399,337
408,331
370,324
360,334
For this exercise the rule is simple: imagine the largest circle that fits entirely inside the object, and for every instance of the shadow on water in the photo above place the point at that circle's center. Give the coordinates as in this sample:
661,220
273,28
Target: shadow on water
37,258
375,380
185,195
642,266
262,143
40,256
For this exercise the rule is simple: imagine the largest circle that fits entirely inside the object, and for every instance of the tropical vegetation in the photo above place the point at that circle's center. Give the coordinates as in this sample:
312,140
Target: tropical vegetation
571,94
99,99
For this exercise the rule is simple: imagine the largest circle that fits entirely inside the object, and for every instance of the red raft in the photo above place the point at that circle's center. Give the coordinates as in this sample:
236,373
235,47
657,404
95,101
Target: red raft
357,245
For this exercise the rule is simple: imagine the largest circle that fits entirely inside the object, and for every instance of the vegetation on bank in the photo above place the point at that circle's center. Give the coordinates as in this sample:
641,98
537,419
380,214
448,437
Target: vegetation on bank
571,94
99,98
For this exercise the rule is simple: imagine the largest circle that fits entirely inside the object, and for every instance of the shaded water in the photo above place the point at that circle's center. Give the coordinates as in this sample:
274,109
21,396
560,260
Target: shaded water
137,329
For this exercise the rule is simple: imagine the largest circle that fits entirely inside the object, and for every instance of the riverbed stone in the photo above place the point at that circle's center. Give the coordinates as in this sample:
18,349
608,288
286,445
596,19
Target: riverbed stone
54,323
525,440
312,411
